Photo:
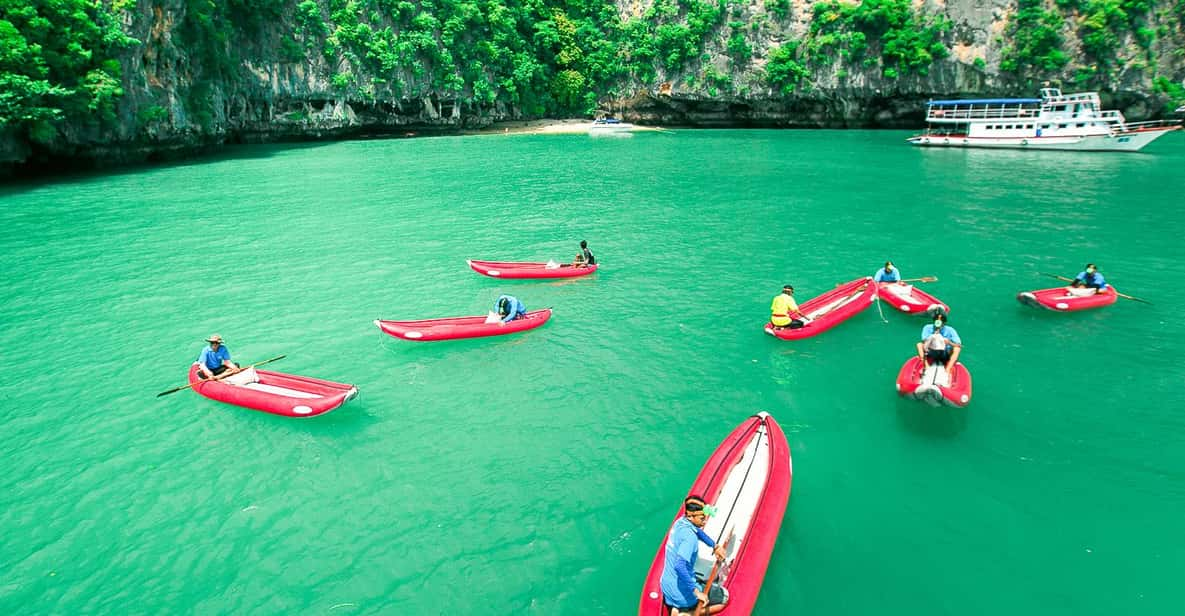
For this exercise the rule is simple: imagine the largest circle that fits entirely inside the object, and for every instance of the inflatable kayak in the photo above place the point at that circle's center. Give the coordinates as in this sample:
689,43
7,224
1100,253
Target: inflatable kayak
523,269
460,327
747,478
909,298
275,392
932,384
1062,299
829,309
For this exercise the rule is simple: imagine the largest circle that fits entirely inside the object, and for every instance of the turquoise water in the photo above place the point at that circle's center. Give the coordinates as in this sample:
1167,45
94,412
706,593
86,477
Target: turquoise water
538,473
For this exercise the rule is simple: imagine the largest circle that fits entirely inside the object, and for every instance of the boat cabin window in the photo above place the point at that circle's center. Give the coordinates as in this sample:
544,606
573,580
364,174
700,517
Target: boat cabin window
1062,125
1081,124
1046,126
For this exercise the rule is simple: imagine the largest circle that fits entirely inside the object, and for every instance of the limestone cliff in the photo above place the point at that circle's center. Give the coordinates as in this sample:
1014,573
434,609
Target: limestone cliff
199,77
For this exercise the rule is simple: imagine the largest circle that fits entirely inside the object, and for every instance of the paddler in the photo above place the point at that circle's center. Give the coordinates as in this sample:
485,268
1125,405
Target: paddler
215,359
940,343
1089,278
680,589
888,273
584,258
509,308
784,312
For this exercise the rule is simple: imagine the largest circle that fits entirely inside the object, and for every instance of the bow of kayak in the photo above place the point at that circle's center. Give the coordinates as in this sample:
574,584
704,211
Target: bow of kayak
910,299
933,385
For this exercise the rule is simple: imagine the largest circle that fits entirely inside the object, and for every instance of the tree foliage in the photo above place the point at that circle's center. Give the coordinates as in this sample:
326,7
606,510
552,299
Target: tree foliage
57,61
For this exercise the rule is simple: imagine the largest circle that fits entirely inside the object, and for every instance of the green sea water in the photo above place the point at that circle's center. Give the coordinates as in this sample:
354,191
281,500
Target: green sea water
537,474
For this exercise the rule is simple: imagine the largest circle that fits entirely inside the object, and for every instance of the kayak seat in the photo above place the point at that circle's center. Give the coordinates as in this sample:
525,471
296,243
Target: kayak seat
245,377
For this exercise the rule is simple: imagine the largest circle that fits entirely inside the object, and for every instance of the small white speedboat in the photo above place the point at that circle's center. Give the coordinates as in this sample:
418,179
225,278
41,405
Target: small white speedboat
609,126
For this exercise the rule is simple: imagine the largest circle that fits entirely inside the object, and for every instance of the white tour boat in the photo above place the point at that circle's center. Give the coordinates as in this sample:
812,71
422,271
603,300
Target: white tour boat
1055,121
609,126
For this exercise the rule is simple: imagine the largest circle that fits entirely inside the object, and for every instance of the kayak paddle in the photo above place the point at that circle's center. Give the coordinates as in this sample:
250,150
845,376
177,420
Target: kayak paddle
219,377
922,279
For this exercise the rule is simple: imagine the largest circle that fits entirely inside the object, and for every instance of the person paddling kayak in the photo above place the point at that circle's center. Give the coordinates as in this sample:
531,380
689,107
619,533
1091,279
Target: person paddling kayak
1089,281
509,308
940,343
784,310
584,258
215,359
680,589
888,273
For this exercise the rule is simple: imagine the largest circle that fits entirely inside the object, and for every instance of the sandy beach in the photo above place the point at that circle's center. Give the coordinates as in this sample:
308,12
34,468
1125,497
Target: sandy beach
547,126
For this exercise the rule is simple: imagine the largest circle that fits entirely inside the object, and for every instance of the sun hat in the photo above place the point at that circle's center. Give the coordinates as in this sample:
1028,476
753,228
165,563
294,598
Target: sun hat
214,338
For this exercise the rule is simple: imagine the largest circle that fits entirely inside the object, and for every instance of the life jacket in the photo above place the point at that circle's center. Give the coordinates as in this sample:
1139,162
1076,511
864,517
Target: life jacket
782,316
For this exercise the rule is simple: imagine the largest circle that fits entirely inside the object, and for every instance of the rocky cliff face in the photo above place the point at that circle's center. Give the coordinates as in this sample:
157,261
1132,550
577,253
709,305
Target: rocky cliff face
193,84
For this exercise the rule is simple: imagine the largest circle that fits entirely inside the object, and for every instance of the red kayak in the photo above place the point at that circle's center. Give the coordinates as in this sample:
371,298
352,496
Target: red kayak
829,309
460,327
932,384
523,269
909,298
275,392
1063,300
748,480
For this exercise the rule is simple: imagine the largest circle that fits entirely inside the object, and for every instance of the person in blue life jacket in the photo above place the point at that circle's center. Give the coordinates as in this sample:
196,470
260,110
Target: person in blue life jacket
1090,278
888,273
509,308
940,343
215,359
680,588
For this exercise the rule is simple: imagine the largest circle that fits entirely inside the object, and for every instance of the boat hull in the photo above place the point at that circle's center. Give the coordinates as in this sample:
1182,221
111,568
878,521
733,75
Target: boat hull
748,477
1057,300
1132,141
453,328
829,309
910,299
525,269
930,384
277,393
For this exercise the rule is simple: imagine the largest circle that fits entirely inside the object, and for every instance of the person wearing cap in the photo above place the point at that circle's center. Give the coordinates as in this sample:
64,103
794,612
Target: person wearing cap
888,273
680,590
940,343
509,308
215,359
784,310
1090,278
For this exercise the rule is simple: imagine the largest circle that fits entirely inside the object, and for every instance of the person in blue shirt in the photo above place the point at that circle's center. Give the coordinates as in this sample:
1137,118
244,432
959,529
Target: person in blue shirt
509,308
680,590
215,359
940,343
1090,278
887,274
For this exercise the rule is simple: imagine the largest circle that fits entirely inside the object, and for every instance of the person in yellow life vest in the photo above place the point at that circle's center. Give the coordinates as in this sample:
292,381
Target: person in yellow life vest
784,310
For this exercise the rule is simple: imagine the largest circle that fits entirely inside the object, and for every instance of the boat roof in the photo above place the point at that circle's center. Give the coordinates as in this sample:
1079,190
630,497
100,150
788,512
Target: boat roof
985,101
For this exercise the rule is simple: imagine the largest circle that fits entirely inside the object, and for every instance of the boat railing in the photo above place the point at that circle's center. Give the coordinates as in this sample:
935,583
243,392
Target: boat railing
1133,127
939,114
1077,97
